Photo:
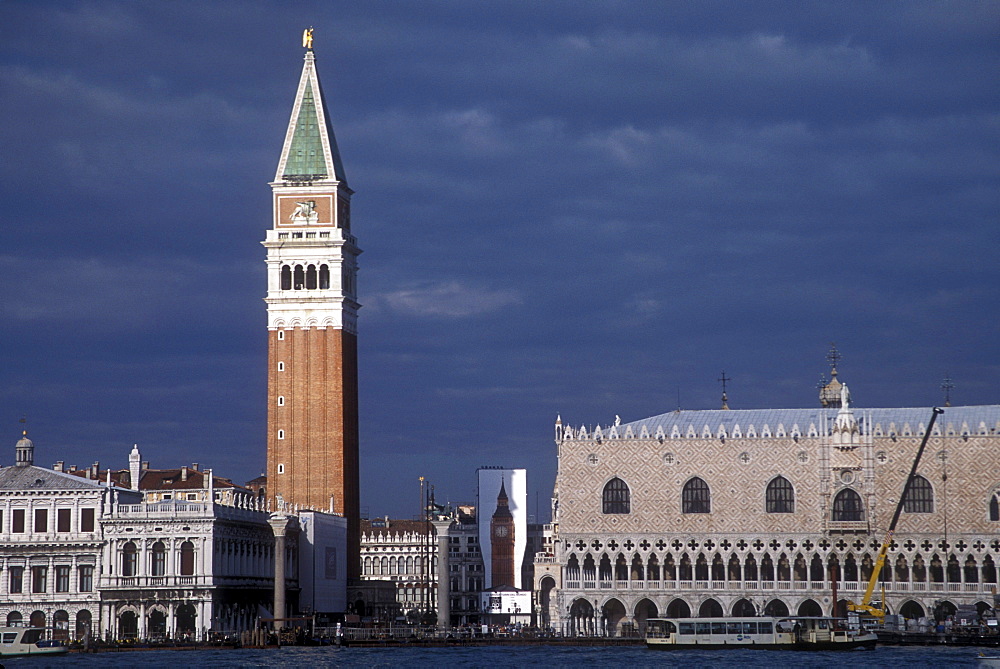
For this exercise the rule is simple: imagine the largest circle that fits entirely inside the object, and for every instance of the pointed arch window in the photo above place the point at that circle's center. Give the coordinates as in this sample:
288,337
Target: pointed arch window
617,498
919,496
847,506
779,496
696,497
995,507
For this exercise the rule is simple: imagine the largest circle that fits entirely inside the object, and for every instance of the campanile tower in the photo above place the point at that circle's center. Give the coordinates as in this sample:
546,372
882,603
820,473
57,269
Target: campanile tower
312,315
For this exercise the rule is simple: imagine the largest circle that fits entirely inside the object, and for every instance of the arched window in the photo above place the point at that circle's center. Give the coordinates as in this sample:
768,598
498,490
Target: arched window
324,277
617,498
847,506
286,277
129,561
995,507
311,277
919,496
187,559
696,497
300,278
779,497
159,566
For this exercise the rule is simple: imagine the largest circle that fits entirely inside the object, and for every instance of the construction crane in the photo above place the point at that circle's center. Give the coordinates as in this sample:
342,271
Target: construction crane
866,606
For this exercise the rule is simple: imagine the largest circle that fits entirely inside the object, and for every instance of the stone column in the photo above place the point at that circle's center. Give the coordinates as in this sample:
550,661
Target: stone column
444,582
279,525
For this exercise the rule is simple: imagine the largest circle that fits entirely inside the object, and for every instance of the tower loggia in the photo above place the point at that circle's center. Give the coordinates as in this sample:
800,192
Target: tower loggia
312,312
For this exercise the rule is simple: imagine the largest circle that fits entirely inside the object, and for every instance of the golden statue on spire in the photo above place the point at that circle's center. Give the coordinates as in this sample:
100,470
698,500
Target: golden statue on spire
307,38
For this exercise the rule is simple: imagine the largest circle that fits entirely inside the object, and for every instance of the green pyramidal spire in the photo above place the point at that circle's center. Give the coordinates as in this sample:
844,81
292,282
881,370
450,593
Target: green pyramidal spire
310,151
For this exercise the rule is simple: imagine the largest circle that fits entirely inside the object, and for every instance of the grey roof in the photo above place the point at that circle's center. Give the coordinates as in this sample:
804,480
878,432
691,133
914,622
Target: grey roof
973,417
39,478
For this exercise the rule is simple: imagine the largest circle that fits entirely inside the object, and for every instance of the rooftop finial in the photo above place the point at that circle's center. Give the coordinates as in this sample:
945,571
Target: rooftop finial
723,379
833,357
947,386
829,393
307,38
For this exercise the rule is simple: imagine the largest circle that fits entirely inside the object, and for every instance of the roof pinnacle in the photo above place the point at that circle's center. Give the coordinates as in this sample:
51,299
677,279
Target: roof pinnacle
723,379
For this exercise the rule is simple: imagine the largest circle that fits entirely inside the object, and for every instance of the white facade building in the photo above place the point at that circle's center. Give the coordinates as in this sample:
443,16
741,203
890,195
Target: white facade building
51,546
154,553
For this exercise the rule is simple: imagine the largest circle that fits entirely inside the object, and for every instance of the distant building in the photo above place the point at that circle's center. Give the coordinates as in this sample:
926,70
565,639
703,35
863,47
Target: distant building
741,511
403,553
406,555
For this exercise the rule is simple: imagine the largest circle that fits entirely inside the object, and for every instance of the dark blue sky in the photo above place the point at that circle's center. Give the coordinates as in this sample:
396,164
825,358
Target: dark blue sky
575,208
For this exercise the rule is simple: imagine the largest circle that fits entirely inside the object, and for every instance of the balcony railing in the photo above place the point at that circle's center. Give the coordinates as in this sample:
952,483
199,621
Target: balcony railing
154,581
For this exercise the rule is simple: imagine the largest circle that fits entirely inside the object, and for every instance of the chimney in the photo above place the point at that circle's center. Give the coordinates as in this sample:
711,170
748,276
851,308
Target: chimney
59,466
184,473
95,471
145,465
72,468
194,466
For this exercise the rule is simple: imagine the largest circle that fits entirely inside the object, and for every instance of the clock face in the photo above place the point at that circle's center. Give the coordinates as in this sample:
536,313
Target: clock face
501,531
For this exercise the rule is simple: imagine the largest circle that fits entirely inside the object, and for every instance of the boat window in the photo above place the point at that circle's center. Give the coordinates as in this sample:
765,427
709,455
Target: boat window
685,628
734,628
703,628
718,628
764,628
8,637
749,628
32,635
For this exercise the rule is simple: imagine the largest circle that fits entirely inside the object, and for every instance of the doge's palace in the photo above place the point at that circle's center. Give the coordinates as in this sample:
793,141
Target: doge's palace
736,512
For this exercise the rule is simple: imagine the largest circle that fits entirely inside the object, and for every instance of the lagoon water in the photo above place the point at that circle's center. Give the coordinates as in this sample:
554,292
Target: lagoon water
497,657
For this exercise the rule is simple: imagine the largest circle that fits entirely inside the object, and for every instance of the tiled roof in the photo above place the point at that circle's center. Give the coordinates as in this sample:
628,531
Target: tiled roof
974,418
157,479
394,527
172,479
39,478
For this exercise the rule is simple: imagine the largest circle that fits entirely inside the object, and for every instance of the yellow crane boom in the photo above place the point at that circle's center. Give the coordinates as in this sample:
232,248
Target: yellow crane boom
865,605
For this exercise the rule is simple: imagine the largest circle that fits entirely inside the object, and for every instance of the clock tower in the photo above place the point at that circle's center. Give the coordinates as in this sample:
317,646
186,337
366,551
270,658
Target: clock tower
312,314
502,542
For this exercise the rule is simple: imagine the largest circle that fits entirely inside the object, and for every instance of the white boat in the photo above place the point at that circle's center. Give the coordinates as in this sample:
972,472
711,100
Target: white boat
762,632
988,660
28,641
